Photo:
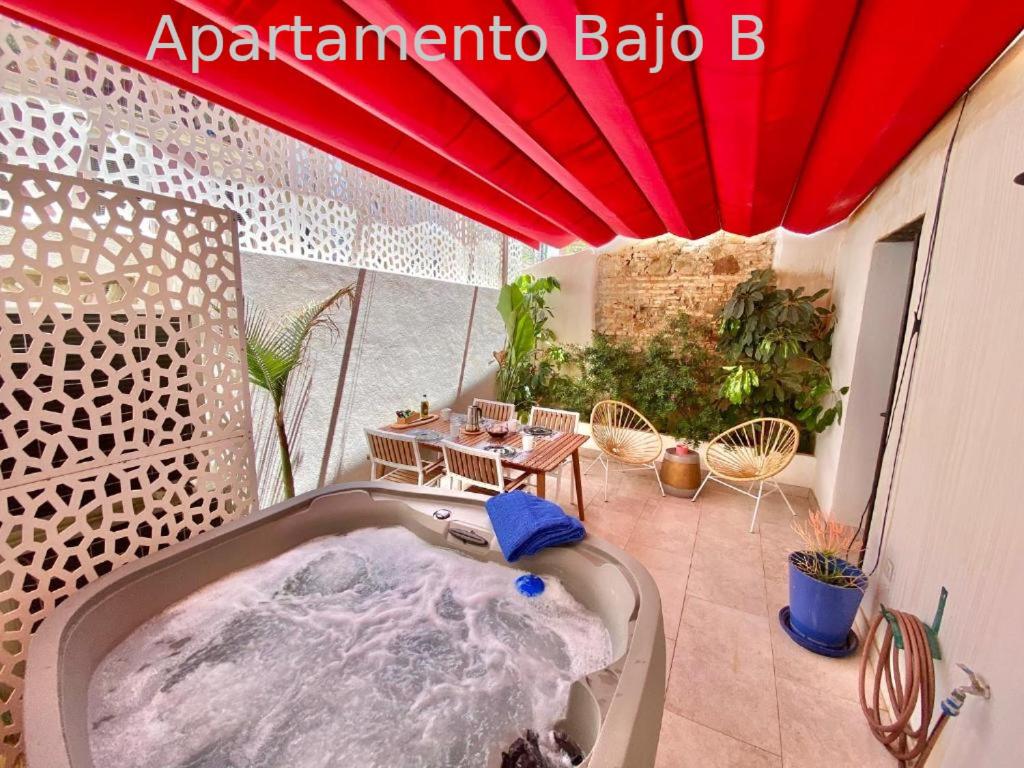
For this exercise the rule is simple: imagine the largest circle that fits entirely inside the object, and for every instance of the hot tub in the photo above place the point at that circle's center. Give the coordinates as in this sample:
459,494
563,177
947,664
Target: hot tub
614,713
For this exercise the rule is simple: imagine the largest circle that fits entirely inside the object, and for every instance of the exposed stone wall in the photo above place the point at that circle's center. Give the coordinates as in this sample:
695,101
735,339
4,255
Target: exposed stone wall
642,283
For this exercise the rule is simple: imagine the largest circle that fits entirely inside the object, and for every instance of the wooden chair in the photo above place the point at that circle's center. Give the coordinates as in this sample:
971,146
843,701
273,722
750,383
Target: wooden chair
480,470
752,452
398,457
495,409
558,421
624,435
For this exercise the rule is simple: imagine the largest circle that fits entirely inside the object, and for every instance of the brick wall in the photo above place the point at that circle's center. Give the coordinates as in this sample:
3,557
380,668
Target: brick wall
644,282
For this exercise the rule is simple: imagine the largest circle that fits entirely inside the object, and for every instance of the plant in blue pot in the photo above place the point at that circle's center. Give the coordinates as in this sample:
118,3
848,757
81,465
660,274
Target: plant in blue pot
824,590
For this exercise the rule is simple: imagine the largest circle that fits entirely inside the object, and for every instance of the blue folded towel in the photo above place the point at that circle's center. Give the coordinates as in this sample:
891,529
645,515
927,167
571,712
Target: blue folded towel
525,524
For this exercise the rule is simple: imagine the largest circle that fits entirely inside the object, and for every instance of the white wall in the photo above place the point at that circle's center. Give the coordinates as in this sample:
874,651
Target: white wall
574,305
410,339
807,261
279,286
955,517
885,306
909,193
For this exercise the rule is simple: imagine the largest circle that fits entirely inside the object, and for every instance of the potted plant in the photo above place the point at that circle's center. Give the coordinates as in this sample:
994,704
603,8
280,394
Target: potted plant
274,348
825,590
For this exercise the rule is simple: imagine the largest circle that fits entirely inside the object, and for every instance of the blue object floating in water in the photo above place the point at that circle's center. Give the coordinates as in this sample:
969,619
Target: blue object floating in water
530,585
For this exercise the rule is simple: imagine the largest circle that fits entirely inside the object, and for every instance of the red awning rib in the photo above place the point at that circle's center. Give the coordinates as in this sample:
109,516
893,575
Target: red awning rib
560,149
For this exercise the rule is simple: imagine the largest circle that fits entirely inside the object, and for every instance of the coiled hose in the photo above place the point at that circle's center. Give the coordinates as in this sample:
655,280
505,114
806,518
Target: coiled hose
909,677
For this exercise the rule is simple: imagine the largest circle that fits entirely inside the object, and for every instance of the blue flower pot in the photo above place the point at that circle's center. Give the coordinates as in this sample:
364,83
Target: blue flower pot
823,613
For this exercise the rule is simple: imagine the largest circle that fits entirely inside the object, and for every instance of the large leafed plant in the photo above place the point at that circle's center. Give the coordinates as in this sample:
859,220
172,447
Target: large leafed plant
777,343
274,348
522,370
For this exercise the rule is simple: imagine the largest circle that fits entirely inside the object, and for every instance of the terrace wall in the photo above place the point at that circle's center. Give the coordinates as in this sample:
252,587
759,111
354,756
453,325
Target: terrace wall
641,283
412,336
627,288
308,223
954,517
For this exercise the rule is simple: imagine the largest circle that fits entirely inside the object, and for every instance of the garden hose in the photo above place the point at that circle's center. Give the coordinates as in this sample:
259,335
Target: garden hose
909,675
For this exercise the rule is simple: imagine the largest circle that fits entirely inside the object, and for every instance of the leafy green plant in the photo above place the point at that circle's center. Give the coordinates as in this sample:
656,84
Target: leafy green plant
274,348
777,343
673,378
523,369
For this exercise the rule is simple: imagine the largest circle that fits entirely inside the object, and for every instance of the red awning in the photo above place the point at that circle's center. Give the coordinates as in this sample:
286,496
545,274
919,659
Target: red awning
558,149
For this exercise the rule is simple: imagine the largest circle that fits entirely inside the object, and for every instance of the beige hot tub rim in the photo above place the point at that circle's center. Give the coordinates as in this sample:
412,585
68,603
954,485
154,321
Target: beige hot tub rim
631,690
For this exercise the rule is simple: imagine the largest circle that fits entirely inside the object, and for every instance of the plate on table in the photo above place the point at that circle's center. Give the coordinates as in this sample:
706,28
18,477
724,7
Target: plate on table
502,450
538,431
426,435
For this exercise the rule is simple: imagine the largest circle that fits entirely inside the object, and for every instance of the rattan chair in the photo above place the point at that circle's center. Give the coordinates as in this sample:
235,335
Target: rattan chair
624,435
752,452
477,470
559,421
397,458
495,409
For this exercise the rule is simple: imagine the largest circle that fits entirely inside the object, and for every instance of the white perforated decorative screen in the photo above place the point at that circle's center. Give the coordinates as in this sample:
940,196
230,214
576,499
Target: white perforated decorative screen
68,110
124,399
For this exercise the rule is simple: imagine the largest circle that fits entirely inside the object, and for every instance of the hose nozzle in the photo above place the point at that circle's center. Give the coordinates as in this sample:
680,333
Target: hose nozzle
952,704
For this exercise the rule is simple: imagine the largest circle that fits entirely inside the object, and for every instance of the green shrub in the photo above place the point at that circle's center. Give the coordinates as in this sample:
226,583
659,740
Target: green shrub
673,379
778,343
769,357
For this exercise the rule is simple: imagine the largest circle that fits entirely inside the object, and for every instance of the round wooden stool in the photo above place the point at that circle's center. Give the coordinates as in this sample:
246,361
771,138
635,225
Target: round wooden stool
680,473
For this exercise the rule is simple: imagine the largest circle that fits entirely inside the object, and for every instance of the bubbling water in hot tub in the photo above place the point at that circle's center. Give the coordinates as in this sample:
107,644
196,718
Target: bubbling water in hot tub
372,649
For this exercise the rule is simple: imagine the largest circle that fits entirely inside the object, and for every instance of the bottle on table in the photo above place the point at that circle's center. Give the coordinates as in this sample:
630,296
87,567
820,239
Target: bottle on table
424,407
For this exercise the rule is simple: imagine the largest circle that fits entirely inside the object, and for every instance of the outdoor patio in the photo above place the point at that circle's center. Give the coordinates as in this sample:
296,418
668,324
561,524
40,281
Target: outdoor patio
232,287
740,692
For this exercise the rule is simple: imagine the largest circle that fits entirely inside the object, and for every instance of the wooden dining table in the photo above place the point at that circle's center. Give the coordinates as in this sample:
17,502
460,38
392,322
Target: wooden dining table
547,454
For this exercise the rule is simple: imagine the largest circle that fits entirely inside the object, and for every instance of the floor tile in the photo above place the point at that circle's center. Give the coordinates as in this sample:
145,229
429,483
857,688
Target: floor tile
771,510
723,520
782,534
686,744
613,521
670,571
823,730
657,559
666,527
595,480
740,692
834,677
681,503
670,649
722,674
672,601
729,573
776,587
642,482
775,557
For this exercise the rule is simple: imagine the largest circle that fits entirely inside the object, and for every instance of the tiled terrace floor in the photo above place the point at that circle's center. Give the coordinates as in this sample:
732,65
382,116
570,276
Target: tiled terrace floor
740,692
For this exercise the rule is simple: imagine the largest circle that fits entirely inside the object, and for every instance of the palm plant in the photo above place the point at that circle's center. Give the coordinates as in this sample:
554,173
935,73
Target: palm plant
274,349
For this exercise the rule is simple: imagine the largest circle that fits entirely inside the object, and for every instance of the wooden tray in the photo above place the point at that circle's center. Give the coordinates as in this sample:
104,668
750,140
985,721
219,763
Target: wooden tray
417,423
